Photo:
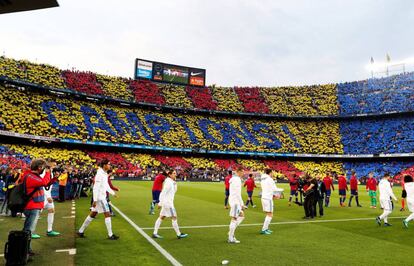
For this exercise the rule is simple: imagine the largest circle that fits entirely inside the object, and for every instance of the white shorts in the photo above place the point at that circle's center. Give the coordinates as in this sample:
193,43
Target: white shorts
102,206
386,204
49,205
168,211
410,205
235,210
267,205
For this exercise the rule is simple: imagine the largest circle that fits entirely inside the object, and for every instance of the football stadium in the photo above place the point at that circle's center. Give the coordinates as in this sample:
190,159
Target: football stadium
167,167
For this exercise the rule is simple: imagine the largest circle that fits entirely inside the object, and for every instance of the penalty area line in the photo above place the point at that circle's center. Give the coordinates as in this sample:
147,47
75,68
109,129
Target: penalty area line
275,223
165,253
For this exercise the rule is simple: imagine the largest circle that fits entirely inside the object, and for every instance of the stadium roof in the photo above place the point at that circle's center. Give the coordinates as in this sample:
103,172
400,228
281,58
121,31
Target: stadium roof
9,6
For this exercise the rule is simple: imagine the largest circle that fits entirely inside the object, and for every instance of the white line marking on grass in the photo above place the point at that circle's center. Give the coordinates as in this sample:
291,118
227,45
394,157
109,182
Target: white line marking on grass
165,253
73,208
1,255
73,212
276,223
1,220
68,217
71,251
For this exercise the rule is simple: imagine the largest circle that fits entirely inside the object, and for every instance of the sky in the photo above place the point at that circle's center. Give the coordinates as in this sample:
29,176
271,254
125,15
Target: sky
239,42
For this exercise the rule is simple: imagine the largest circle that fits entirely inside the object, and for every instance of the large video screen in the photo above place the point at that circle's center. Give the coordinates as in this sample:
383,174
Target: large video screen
161,72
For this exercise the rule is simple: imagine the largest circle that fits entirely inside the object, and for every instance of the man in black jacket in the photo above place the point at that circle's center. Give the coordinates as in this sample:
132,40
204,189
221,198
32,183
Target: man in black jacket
319,196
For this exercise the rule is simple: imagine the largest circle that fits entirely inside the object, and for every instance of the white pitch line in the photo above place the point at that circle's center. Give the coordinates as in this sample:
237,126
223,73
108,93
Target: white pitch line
1,255
71,251
165,253
68,217
276,223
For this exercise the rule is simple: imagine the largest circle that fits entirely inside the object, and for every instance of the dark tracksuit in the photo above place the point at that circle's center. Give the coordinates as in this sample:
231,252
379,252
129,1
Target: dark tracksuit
319,196
309,204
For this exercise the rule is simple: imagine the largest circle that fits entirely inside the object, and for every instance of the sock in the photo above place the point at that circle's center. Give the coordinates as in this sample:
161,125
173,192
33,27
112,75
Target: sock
85,224
247,203
266,223
384,216
290,198
108,226
175,226
350,200
251,202
239,220
357,201
50,218
374,201
226,199
157,225
340,200
409,218
152,206
403,203
326,201
232,229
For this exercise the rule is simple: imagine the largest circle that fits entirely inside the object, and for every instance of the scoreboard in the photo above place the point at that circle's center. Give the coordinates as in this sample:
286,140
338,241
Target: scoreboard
169,73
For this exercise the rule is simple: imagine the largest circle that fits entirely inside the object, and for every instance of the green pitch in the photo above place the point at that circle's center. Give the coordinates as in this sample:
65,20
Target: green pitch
294,241
355,242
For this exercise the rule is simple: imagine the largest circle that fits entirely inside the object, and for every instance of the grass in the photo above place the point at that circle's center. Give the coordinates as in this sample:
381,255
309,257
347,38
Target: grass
45,247
329,243
338,243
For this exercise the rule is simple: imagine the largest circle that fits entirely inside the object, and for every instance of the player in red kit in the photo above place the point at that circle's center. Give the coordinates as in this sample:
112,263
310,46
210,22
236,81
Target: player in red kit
293,183
226,189
156,190
353,183
327,180
250,185
342,187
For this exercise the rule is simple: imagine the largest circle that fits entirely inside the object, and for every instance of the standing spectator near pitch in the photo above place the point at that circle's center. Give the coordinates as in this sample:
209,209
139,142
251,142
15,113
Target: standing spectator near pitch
268,189
156,190
371,187
353,183
328,185
403,195
34,184
409,188
342,187
250,185
167,205
293,183
7,186
227,189
319,195
386,194
63,179
100,205
236,205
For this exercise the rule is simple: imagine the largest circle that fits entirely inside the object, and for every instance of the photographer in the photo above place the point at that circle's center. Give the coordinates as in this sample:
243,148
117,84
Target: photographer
309,190
34,182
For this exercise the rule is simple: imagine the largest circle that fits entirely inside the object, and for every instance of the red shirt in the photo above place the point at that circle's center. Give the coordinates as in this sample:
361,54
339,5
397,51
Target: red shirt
227,181
342,183
34,181
353,183
249,183
328,183
293,182
372,184
159,179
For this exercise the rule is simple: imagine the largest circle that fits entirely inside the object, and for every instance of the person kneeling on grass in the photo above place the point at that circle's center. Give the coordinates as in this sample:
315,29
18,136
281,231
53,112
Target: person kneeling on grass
385,199
167,205
409,188
100,205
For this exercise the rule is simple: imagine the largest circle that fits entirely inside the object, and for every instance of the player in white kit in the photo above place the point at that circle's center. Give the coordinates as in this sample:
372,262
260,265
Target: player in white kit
167,205
409,187
236,205
268,189
100,204
386,194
